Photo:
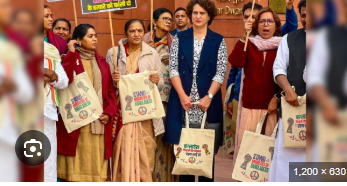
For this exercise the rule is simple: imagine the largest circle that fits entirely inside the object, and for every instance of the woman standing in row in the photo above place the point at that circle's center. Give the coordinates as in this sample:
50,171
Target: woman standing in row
259,91
135,142
62,28
48,35
198,64
84,153
161,40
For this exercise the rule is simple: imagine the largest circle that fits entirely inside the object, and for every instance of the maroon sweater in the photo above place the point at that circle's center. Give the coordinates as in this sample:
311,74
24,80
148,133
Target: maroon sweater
258,85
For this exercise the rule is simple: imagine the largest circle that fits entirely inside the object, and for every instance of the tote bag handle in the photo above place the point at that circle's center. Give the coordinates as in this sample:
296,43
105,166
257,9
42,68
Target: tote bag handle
261,123
282,93
203,118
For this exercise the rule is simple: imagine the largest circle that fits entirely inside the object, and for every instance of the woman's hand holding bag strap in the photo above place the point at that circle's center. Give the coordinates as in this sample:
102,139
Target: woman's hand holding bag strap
217,127
294,121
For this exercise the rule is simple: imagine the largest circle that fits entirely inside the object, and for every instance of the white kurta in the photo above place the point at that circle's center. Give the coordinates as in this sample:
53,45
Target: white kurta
9,131
318,66
50,118
279,171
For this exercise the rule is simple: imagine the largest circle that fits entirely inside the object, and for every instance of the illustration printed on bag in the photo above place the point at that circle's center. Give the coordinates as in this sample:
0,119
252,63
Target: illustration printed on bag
229,144
83,114
205,147
140,98
192,160
193,152
302,135
149,84
142,110
81,86
167,84
254,175
290,122
228,136
79,104
167,80
272,150
128,100
248,158
179,150
68,108
166,91
258,163
299,123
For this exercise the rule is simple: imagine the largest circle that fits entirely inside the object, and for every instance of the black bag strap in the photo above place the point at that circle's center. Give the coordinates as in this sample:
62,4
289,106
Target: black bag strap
118,56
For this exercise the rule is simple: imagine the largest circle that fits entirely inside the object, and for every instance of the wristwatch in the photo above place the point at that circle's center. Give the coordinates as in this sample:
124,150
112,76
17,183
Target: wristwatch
210,95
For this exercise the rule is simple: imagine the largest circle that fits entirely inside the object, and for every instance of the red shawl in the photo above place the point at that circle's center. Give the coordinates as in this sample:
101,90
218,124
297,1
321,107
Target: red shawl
17,39
58,42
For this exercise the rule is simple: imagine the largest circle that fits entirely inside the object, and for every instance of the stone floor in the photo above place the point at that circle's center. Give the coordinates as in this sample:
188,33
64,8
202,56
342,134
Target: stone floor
223,168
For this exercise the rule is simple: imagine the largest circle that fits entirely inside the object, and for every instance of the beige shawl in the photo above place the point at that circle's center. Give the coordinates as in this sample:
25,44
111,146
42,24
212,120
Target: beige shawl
133,61
92,68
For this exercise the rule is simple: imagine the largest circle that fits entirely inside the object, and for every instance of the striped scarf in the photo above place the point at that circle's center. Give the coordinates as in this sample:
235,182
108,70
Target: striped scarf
52,56
52,65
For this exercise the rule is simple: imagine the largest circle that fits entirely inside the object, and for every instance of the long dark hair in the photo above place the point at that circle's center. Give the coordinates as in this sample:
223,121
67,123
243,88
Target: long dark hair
81,31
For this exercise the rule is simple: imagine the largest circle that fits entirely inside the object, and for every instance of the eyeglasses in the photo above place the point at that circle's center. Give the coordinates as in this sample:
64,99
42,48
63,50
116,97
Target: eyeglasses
166,19
270,22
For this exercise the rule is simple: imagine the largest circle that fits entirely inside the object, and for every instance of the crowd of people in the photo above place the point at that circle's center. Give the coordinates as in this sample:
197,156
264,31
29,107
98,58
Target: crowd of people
191,65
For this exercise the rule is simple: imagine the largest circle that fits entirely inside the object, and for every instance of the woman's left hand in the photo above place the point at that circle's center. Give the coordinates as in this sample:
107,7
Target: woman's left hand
205,103
272,109
46,79
165,60
154,78
104,118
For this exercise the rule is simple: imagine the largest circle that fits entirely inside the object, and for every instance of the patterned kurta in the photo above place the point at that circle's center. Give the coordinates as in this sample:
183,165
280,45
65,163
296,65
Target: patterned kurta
195,114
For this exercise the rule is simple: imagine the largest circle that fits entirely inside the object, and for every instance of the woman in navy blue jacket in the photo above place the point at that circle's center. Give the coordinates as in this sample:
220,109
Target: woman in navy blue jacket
198,63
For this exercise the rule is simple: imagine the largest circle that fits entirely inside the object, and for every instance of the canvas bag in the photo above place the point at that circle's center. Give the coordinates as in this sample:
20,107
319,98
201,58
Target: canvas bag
331,146
294,123
140,98
228,142
194,153
80,104
255,155
164,93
